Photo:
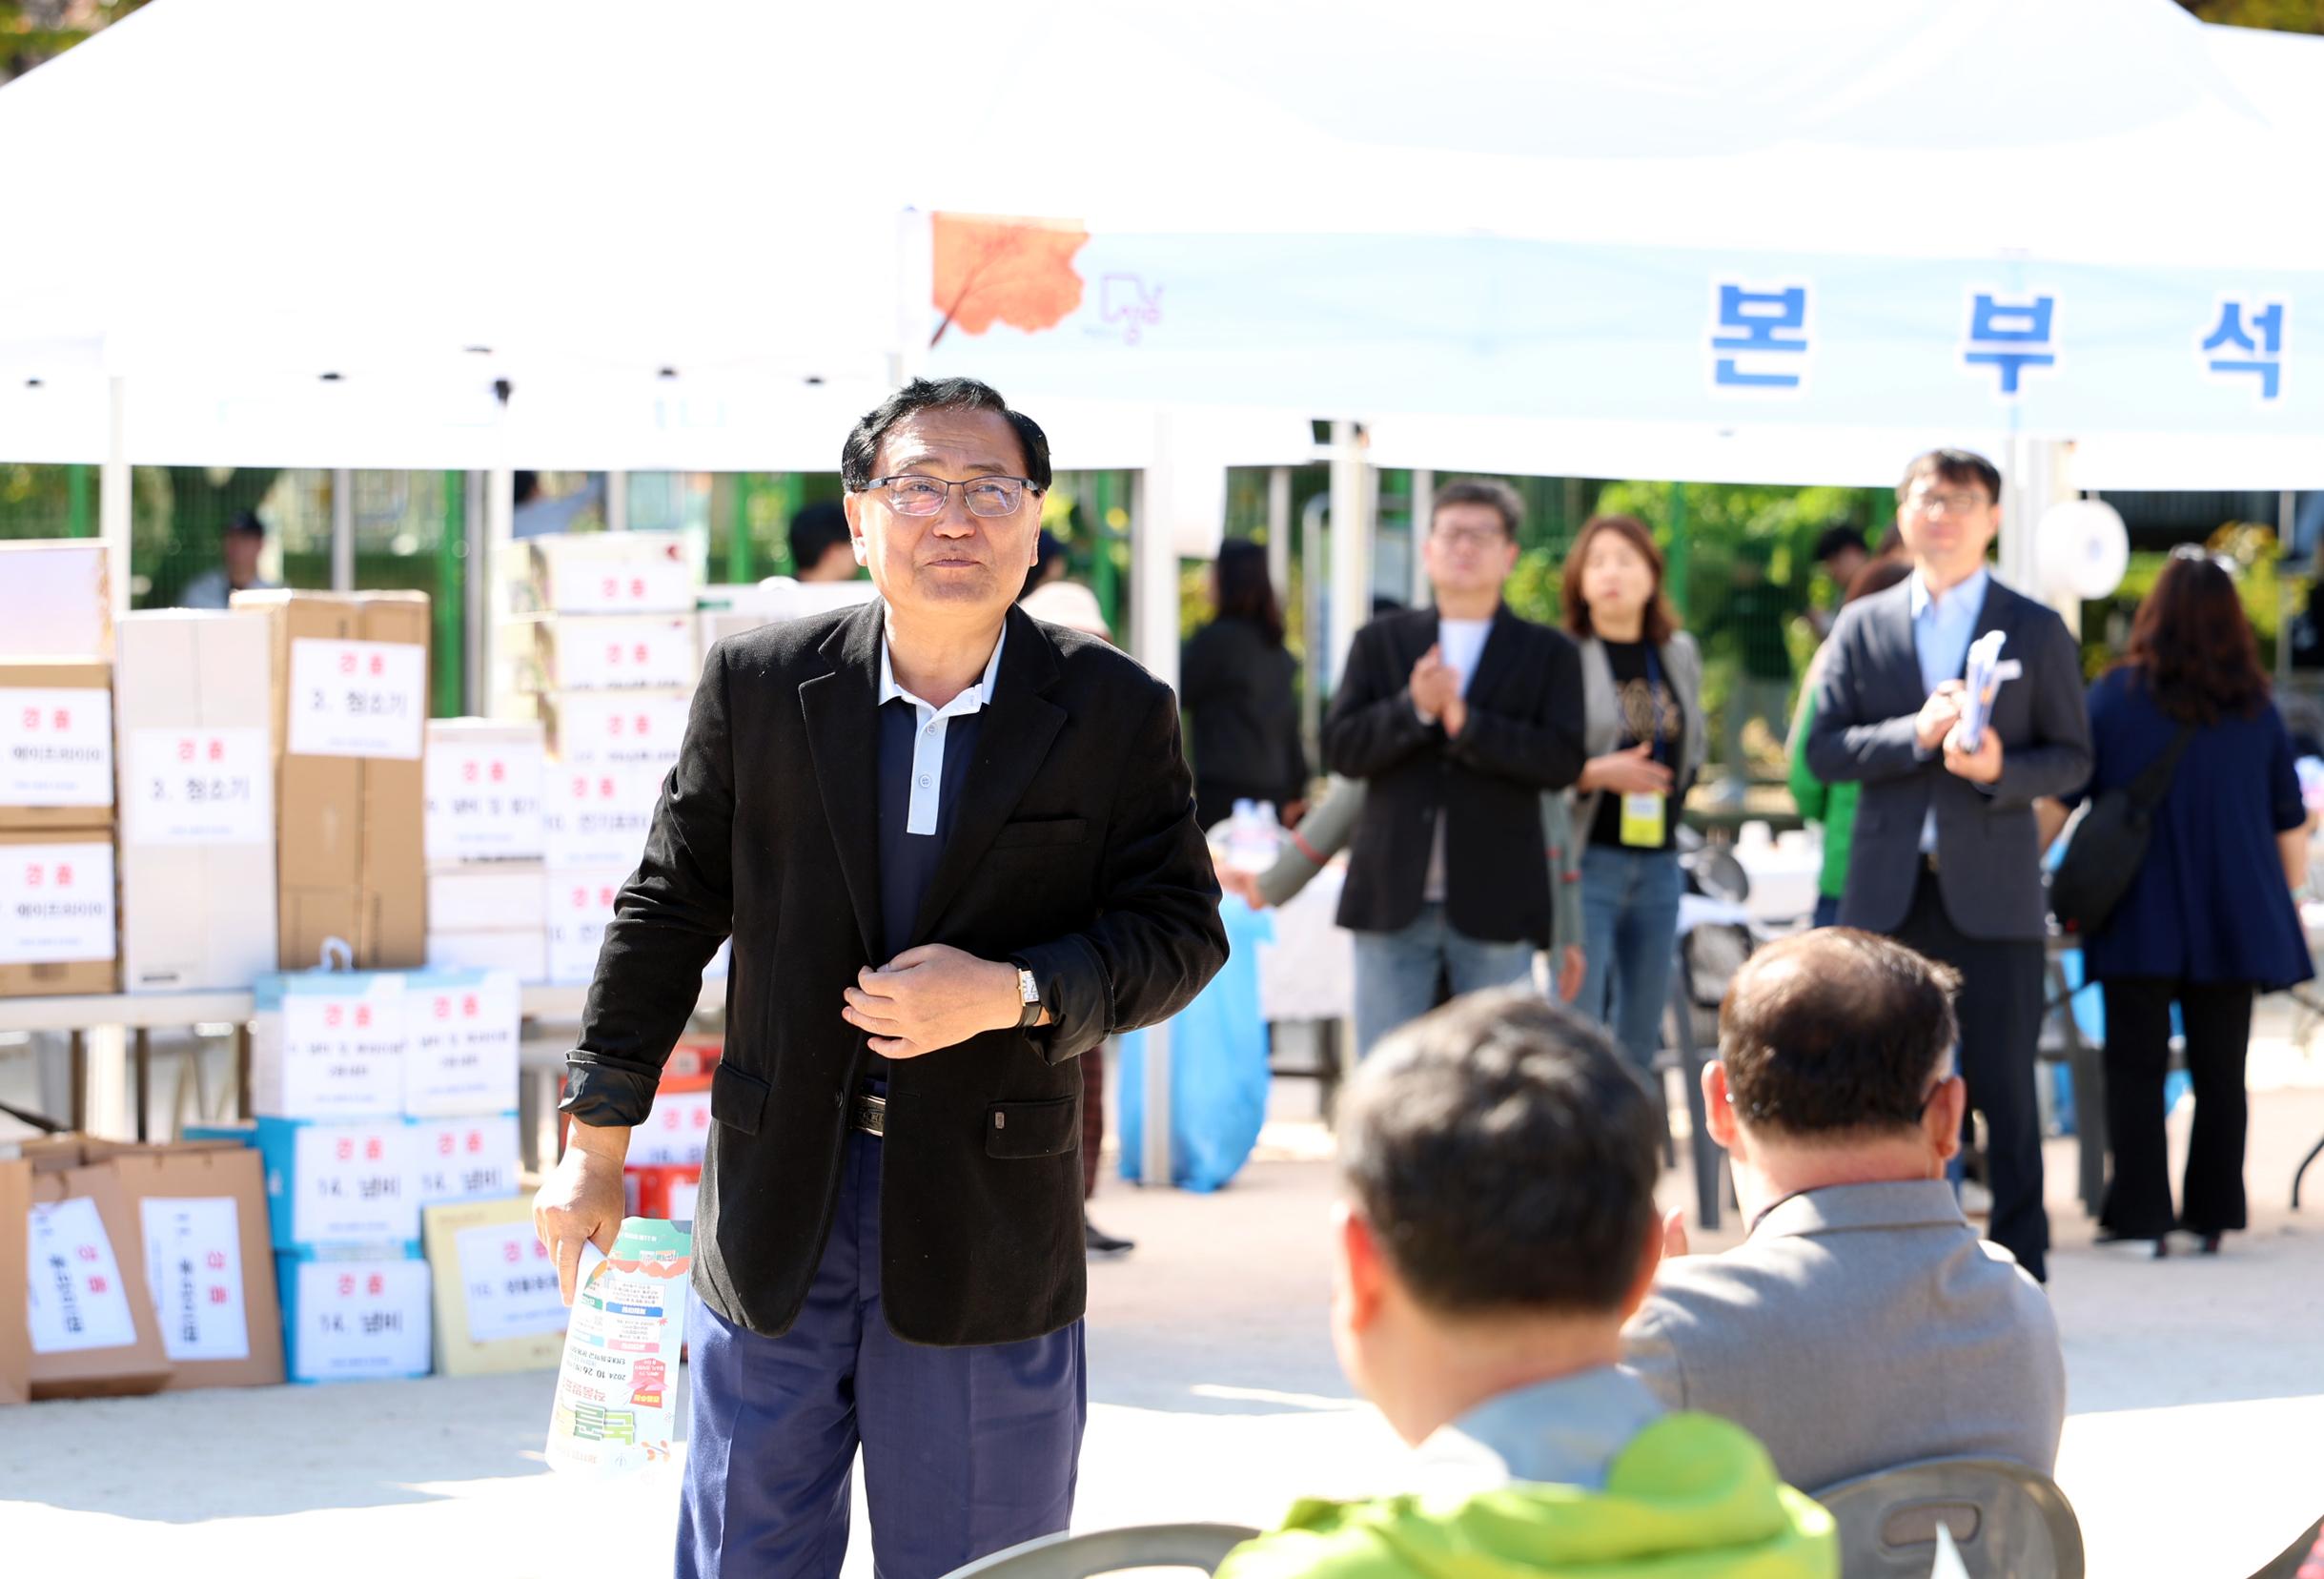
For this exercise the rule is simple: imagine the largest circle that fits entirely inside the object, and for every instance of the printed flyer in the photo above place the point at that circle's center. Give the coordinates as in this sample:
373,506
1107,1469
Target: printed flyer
615,1411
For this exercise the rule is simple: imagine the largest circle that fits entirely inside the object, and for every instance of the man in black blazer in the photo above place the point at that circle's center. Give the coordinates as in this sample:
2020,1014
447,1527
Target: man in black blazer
1945,857
1458,717
954,847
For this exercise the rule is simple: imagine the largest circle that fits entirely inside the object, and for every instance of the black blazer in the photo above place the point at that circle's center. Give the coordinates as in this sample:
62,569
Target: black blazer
1989,870
1074,848
1239,689
1524,736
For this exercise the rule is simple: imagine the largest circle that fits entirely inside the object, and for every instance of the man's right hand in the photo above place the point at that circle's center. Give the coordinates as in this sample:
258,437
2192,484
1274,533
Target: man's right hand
581,1199
1630,772
1938,715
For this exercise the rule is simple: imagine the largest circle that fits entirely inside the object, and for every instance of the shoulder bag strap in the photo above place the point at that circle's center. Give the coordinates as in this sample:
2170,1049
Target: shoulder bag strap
2154,781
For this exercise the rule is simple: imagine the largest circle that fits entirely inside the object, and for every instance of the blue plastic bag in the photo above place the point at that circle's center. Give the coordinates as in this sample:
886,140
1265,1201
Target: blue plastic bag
1218,1076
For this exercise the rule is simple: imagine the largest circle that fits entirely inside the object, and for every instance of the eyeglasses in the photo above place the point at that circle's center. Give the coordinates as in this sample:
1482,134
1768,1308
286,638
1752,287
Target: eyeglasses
1967,501
1470,536
914,495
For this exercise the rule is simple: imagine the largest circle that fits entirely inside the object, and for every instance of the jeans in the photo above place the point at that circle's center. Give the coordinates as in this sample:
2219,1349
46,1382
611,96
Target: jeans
1630,911
1395,973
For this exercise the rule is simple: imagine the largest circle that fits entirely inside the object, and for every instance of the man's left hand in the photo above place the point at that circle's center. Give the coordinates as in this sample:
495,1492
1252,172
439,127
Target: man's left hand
933,998
1981,766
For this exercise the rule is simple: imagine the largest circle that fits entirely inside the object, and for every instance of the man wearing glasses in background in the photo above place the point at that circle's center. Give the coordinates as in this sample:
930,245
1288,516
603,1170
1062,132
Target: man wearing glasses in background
955,848
1458,717
1945,857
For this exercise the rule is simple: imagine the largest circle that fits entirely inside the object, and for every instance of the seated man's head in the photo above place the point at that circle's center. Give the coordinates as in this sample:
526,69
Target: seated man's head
1499,1224
1835,1066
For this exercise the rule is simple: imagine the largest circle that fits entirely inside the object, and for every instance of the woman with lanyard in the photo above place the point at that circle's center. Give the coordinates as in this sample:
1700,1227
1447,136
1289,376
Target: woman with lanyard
1642,682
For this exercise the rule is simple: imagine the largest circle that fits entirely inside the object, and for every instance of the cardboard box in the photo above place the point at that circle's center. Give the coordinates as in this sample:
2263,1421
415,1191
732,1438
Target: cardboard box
457,1159
483,791
663,1190
93,1334
203,1224
598,816
59,932
356,1312
487,896
460,1052
56,598
580,905
16,1332
677,1132
612,652
611,573
56,743
523,954
339,1183
195,744
349,781
617,729
329,1045
496,1303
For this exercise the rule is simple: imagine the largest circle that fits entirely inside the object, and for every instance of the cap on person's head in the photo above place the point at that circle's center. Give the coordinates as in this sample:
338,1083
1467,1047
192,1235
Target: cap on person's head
815,531
1838,539
244,521
1505,1157
1835,1031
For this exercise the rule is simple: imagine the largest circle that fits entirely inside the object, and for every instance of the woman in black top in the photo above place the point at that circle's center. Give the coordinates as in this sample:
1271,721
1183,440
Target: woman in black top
1235,681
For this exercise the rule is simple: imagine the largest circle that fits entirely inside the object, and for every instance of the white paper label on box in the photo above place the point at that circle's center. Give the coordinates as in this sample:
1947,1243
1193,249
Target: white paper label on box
483,801
74,1300
57,903
464,1159
57,746
639,586
200,787
357,699
627,653
598,816
508,1282
353,1182
676,1131
194,1270
684,1194
613,726
461,1056
580,905
343,1053
362,1319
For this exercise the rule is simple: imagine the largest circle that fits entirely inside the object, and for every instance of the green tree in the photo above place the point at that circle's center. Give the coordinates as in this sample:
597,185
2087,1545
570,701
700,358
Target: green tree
2301,16
37,30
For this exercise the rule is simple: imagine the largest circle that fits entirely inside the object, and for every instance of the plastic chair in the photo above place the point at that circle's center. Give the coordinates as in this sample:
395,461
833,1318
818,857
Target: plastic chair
1196,1545
2009,1521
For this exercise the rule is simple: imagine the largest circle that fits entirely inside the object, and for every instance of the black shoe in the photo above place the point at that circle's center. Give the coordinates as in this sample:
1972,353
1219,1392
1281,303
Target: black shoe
1098,1242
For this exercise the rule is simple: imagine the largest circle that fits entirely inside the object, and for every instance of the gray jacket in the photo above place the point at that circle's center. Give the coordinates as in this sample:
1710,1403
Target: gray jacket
1325,832
1682,664
1867,699
1860,1326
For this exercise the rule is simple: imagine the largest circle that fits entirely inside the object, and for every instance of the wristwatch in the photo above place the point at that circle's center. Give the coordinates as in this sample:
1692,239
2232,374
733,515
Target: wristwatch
1029,993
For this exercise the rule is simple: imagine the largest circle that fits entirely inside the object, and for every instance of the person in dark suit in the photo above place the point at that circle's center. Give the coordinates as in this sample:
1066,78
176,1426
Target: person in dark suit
954,847
2209,918
1944,855
1458,716
1238,685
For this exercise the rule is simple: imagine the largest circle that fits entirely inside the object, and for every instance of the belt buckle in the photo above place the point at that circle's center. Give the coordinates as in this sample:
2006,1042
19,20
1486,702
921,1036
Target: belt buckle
870,1114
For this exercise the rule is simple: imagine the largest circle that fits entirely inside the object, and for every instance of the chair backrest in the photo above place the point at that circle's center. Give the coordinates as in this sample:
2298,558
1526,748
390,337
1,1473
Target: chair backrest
1198,1546
2009,1521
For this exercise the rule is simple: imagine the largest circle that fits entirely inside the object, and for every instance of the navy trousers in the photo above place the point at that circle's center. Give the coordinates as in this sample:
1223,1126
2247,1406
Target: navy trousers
966,1451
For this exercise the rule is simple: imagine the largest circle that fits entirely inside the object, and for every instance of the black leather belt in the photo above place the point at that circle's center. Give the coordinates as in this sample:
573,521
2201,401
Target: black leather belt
869,1114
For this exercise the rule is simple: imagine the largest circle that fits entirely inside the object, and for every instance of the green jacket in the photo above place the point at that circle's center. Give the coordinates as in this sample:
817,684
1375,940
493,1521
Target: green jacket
1833,804
1691,1497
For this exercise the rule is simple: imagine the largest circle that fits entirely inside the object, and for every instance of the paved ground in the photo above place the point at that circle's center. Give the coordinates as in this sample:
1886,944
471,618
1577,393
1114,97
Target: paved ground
2197,1398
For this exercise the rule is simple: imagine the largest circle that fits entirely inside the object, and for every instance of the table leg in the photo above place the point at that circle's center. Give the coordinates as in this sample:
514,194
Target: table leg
80,1082
143,1056
1708,1156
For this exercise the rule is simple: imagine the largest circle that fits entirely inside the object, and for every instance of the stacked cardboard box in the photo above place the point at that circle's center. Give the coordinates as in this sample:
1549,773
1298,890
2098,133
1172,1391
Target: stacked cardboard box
487,894
195,742
350,684
56,598
664,1171
615,667
58,923
142,1267
378,1094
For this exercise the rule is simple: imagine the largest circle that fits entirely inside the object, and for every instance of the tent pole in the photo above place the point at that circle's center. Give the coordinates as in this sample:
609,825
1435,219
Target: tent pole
1676,576
113,497
476,585
2287,527
1424,521
1350,542
617,501
1153,638
342,530
1279,532
499,566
